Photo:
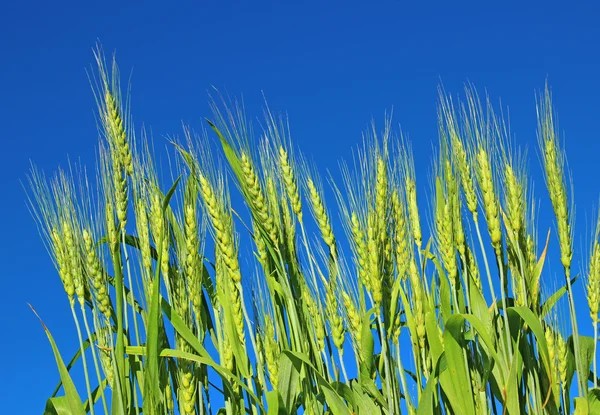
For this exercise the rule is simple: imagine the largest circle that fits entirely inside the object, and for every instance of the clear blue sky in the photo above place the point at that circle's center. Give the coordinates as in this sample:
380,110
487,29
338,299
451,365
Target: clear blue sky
331,65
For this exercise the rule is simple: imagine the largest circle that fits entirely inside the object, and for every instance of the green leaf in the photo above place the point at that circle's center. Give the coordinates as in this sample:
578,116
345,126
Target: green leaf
362,403
427,404
535,326
512,384
333,399
170,193
433,336
273,398
289,380
241,357
345,392
58,405
368,344
152,391
594,401
586,353
581,406
481,311
203,357
230,154
456,380
71,400
74,360
552,300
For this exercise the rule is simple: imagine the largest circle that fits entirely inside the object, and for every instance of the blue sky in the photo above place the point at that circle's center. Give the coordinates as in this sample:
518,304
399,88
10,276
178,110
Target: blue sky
331,65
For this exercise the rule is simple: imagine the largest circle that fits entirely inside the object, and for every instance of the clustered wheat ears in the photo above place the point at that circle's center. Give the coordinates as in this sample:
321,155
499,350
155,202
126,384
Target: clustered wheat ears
179,318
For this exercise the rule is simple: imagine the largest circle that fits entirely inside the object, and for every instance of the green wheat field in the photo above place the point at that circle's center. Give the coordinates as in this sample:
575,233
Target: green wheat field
222,286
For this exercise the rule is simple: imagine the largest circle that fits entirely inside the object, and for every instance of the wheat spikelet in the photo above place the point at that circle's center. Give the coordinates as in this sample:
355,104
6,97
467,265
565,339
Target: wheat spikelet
381,199
114,127
143,234
336,323
562,356
316,317
555,181
221,223
593,283
257,198
192,255
444,224
361,250
160,234
62,261
272,351
105,347
321,217
187,389
515,200
449,124
289,181
354,321
401,236
96,275
551,343
465,174
413,210
375,274
490,204
418,311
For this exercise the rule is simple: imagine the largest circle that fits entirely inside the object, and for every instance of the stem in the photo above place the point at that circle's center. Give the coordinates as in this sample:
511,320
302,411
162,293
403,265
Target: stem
133,313
135,395
200,392
503,294
595,346
422,267
310,260
403,379
250,331
487,267
386,362
120,346
135,324
95,359
84,360
581,381
467,282
342,365
326,360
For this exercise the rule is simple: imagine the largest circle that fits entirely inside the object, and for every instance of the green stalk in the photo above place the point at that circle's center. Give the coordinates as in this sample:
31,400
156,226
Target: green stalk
252,339
595,357
83,359
200,392
487,267
581,381
467,282
386,362
342,365
403,378
133,312
310,259
135,324
94,358
120,345
503,294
